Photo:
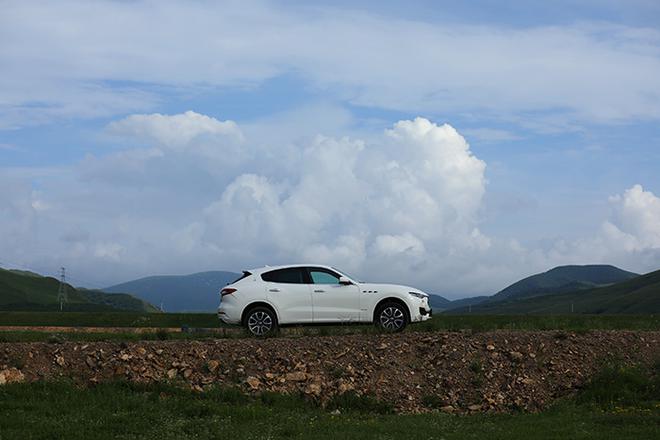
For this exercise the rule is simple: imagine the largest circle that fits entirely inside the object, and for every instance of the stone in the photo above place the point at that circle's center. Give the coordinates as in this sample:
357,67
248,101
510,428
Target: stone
11,375
344,387
516,355
296,376
254,382
212,365
313,388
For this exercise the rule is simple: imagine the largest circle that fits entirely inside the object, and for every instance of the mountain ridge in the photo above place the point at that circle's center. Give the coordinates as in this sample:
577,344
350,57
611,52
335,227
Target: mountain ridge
179,293
29,291
638,295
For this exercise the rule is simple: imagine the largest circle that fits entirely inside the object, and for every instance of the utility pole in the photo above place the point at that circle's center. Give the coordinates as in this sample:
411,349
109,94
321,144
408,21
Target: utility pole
61,294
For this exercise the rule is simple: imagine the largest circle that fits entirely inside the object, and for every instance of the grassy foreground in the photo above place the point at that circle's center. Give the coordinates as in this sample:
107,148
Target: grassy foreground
619,404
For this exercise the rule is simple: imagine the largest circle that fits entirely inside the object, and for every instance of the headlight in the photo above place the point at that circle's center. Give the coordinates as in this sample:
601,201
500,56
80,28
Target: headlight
419,295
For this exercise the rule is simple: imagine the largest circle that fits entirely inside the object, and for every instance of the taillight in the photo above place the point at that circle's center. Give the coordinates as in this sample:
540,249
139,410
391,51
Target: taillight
227,291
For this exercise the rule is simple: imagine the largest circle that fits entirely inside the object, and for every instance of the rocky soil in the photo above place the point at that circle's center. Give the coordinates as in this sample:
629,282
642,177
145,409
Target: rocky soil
454,372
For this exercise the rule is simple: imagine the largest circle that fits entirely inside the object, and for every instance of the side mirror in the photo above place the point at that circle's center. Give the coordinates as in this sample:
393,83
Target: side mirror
345,281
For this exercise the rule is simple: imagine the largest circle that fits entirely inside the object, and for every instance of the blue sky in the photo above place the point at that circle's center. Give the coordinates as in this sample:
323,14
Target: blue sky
144,137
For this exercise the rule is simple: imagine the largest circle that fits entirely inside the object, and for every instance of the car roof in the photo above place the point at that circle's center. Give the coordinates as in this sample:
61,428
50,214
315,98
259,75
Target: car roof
260,270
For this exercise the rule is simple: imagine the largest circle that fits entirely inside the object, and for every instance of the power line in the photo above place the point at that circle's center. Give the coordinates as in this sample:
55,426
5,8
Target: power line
62,294
57,274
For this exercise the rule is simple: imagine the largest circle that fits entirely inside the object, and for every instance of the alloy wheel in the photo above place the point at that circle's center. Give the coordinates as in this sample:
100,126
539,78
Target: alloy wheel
259,323
392,318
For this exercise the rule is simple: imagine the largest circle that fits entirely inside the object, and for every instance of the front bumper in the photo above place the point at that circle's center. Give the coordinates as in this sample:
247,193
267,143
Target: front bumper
421,311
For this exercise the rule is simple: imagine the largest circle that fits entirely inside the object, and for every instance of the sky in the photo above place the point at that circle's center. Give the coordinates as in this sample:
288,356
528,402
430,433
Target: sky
453,146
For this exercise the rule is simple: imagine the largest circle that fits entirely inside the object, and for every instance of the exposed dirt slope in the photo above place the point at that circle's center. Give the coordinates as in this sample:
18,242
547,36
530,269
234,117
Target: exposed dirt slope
456,372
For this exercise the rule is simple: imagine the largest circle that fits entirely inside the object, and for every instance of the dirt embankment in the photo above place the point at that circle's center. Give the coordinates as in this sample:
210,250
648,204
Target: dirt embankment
456,372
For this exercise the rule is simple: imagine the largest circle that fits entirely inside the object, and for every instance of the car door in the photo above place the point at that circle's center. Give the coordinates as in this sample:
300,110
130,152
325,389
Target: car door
290,293
331,301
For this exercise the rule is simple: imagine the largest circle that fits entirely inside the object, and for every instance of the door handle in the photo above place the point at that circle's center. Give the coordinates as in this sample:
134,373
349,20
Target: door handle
319,291
273,290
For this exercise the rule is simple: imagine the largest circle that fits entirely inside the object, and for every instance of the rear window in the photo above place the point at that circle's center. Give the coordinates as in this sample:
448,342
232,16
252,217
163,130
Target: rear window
245,275
293,275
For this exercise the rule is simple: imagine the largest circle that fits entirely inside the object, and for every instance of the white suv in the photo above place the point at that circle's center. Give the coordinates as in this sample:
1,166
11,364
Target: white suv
264,298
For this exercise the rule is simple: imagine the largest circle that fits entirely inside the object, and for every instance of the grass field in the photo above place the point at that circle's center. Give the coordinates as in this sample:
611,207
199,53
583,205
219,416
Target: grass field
618,404
56,338
438,322
108,319
474,323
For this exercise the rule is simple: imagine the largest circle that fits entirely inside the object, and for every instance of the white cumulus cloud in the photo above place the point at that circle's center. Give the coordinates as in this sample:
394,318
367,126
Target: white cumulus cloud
411,195
401,206
637,215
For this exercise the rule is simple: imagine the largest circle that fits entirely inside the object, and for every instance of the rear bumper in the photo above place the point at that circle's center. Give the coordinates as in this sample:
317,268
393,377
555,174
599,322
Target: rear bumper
228,313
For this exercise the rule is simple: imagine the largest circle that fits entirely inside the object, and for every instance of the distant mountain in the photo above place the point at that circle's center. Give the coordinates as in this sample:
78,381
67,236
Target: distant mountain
564,279
197,292
467,302
558,280
28,291
439,303
640,295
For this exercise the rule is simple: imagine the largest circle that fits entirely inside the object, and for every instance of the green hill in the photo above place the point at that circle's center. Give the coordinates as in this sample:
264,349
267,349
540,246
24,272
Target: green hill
564,279
197,292
640,295
28,291
439,303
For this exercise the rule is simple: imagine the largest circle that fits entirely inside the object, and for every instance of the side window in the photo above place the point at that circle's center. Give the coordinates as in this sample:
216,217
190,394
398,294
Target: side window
292,275
320,276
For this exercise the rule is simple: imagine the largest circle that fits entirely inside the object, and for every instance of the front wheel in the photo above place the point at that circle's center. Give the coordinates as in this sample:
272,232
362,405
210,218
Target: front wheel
261,321
391,317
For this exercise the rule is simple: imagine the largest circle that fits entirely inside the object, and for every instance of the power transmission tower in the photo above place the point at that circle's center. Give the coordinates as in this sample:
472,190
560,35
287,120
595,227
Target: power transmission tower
62,294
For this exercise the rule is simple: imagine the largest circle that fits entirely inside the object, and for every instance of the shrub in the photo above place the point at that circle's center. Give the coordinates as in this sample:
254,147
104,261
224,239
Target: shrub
617,385
432,401
162,335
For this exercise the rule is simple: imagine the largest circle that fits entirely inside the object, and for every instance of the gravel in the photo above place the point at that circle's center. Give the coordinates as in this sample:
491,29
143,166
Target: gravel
458,372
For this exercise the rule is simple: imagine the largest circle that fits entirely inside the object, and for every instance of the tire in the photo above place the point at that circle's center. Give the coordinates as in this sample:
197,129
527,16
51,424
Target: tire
261,321
391,317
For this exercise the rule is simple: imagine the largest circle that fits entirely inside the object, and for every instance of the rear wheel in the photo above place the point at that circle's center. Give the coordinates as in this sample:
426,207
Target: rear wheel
391,317
261,321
